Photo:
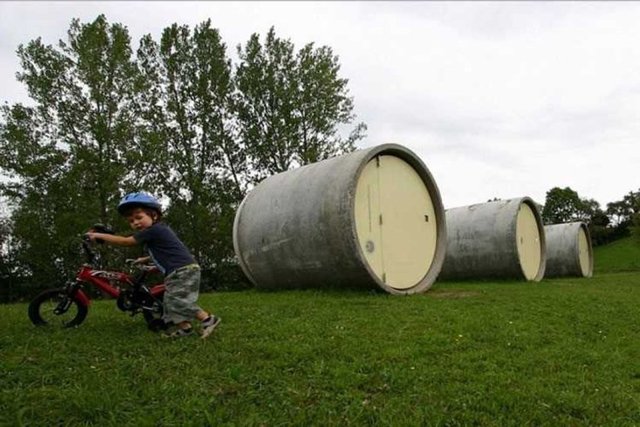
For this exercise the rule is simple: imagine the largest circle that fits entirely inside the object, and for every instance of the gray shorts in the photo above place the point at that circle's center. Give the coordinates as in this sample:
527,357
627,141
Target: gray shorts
183,288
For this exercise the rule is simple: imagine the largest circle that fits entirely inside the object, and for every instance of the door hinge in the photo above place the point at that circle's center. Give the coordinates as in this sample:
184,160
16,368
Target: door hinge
378,161
380,219
426,218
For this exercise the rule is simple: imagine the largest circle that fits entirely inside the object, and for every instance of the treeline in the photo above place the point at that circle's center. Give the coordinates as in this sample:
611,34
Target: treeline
176,118
619,219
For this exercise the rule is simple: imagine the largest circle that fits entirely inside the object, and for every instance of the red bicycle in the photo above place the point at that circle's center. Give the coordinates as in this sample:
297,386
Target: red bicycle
68,306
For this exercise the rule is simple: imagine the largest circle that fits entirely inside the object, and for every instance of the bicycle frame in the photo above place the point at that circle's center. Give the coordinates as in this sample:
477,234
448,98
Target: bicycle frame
101,279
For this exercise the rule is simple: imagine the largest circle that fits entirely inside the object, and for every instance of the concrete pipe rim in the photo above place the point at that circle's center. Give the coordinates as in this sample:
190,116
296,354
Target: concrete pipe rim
582,226
543,251
236,243
425,175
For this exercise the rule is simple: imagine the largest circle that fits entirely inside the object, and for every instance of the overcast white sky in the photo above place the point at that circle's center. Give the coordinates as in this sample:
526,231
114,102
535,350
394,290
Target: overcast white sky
499,99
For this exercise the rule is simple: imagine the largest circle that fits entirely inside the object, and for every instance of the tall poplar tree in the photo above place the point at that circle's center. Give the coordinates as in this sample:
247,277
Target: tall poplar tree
290,105
66,153
188,123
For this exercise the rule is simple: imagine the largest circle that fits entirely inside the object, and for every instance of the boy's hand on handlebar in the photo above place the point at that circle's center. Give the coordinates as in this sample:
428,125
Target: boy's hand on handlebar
142,264
92,237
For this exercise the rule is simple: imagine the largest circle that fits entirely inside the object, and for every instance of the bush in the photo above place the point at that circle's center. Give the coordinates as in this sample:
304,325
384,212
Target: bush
228,276
601,235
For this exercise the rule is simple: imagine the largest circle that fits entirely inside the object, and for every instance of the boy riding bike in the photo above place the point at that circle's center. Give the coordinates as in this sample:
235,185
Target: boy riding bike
173,259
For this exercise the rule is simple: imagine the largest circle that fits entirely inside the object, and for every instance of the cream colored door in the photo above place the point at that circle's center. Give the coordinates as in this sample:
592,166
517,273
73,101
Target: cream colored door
409,231
367,216
528,241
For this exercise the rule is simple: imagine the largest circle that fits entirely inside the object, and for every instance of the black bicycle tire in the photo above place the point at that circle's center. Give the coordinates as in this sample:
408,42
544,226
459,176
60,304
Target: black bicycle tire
36,317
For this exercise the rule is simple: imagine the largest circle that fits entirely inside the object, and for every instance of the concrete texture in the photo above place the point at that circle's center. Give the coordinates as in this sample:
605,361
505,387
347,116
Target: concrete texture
297,229
483,242
569,251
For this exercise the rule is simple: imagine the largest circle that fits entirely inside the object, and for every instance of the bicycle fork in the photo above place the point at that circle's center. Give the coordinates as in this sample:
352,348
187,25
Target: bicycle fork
73,292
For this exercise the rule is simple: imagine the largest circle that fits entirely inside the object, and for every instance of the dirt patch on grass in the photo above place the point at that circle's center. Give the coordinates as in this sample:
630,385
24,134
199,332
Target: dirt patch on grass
453,294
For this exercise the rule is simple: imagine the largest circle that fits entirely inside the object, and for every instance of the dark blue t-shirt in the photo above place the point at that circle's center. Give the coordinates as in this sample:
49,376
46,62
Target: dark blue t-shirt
165,248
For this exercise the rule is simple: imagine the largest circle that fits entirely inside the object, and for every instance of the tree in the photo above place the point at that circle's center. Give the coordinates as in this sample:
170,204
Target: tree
565,205
67,154
188,126
619,212
290,105
623,211
323,103
625,214
8,275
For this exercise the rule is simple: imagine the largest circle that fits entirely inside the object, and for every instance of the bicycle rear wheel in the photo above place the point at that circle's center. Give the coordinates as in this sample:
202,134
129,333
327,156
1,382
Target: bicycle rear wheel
153,314
55,307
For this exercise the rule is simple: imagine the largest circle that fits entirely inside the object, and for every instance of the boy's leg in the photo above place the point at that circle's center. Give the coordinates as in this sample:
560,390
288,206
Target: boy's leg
180,300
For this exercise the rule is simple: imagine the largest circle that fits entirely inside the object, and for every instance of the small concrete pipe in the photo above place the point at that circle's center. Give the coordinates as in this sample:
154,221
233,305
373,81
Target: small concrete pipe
502,239
569,251
371,219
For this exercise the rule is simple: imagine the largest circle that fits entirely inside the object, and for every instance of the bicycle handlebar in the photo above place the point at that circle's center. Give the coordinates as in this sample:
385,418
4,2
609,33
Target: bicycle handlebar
91,256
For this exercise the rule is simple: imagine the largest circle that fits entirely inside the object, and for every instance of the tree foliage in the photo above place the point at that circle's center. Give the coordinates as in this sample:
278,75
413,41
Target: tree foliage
565,205
198,164
291,104
624,211
176,118
625,214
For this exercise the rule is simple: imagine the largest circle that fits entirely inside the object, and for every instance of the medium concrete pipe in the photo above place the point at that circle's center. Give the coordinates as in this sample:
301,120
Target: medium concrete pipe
502,239
569,251
368,219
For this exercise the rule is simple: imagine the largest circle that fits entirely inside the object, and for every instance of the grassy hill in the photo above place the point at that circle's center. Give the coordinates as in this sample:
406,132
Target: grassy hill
621,255
558,352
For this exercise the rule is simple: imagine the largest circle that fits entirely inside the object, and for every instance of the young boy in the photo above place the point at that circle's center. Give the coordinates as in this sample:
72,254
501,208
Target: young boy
169,254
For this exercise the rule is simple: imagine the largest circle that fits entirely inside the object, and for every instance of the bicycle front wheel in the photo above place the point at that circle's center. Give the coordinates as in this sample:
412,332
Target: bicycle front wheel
55,307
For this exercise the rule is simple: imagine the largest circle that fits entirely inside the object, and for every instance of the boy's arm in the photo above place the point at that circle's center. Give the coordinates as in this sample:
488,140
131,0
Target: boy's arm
113,239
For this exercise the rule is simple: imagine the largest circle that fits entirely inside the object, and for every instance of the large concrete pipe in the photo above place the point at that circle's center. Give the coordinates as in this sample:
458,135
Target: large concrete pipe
368,219
569,251
502,239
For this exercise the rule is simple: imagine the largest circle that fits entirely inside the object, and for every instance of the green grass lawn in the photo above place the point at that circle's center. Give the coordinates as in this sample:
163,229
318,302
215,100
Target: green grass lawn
621,255
558,352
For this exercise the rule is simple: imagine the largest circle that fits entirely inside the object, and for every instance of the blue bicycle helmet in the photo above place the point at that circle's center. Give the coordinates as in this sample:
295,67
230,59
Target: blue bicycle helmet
139,200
